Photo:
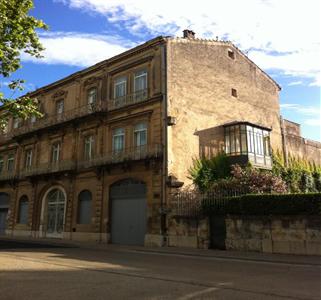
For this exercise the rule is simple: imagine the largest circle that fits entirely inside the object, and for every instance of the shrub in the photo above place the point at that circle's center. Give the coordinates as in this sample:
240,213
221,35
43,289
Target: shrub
267,204
205,171
258,181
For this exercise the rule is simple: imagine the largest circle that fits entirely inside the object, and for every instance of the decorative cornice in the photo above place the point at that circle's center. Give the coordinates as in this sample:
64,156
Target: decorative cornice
92,80
60,94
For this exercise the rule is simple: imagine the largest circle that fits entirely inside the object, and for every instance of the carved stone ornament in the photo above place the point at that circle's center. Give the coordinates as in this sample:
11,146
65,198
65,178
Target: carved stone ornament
60,94
92,80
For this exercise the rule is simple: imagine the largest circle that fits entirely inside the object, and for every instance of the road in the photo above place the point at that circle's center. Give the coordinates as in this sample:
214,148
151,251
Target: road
42,271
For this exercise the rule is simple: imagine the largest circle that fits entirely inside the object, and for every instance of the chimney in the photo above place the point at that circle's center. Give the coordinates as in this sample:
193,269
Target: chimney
188,34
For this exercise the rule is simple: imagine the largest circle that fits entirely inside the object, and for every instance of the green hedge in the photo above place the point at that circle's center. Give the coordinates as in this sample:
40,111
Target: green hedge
266,204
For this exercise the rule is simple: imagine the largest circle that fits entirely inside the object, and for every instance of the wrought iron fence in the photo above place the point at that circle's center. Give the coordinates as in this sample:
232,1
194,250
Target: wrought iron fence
127,154
65,116
191,203
137,97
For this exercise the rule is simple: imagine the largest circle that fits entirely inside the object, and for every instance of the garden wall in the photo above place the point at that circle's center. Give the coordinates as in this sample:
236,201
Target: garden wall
279,234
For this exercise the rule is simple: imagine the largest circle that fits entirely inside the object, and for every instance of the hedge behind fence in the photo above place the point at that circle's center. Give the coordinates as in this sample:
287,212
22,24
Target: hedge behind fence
266,204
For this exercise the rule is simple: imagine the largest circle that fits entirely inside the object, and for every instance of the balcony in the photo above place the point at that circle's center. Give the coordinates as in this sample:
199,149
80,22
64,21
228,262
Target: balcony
137,97
4,137
51,120
7,175
48,168
126,155
145,152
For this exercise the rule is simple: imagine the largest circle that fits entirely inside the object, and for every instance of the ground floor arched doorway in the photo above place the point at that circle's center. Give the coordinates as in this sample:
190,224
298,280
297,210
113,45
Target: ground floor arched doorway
53,214
128,212
4,207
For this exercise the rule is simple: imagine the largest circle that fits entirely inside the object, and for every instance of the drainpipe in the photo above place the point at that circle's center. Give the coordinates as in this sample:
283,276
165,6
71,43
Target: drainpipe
284,146
163,228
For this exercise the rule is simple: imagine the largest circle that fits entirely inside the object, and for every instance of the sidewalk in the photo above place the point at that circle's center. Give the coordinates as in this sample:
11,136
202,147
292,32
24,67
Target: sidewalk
186,252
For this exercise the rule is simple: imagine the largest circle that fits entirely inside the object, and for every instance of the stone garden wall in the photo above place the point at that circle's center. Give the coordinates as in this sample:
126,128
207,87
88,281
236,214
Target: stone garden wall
286,234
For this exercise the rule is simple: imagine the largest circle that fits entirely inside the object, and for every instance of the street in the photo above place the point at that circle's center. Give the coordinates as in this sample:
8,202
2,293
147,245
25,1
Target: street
44,271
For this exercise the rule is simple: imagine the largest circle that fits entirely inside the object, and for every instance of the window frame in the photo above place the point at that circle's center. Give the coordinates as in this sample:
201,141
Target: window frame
91,140
28,158
10,162
79,214
118,135
121,79
139,131
53,145
24,221
138,76
58,102
91,95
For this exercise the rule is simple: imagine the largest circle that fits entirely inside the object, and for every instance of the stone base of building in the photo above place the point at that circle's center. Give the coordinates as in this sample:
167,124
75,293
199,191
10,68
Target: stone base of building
154,240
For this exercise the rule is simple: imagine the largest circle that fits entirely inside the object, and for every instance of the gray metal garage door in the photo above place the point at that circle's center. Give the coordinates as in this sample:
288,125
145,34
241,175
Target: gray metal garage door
4,206
128,212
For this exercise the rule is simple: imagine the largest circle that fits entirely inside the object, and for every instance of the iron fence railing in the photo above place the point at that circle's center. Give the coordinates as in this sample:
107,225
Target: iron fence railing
127,154
48,168
7,175
137,97
191,203
65,116
113,157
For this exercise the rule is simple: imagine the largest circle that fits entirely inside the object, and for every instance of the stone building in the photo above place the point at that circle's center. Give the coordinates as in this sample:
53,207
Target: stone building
116,137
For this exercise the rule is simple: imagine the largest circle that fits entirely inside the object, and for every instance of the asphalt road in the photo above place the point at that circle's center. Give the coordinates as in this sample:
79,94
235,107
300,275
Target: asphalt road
42,271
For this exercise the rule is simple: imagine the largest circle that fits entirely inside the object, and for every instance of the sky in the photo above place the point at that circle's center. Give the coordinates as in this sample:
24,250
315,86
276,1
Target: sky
281,36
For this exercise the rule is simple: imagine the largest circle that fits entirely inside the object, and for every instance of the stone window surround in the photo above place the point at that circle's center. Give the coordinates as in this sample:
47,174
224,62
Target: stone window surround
130,76
129,128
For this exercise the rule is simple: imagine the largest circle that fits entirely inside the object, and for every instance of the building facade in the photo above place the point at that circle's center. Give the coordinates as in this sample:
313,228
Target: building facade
116,138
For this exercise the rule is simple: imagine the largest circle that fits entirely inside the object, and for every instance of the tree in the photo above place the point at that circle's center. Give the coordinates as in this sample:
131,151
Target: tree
17,34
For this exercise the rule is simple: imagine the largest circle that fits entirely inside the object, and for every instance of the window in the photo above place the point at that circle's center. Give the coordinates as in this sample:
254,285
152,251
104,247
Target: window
84,207
92,96
23,210
118,139
140,135
1,163
231,54
28,158
10,163
234,92
248,139
120,87
140,86
55,152
16,123
59,107
89,147
33,119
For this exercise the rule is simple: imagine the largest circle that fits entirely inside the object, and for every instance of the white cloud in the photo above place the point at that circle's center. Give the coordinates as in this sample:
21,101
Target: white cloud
78,49
264,27
304,110
312,122
295,83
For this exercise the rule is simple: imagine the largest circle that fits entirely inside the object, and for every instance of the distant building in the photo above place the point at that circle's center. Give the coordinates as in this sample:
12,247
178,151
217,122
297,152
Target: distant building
117,137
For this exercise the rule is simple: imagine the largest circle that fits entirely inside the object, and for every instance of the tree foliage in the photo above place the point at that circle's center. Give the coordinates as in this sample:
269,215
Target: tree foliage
17,34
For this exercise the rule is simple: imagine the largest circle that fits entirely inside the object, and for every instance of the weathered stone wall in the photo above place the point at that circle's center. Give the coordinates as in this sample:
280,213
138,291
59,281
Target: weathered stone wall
288,235
200,77
188,232
297,146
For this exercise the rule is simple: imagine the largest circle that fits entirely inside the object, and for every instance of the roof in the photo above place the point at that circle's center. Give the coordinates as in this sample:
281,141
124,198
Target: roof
139,48
247,123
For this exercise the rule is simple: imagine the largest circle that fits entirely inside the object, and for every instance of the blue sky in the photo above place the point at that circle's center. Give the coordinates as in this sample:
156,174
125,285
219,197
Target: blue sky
284,42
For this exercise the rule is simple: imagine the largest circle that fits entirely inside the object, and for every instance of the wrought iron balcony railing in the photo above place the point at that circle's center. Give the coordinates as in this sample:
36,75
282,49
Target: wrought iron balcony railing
48,168
137,97
125,155
7,175
110,158
51,120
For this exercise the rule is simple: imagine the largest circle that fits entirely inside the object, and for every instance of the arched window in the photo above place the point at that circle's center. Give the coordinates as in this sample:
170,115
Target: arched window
84,207
23,210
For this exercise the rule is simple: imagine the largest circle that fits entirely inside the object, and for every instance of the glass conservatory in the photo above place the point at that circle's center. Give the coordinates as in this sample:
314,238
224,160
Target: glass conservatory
246,142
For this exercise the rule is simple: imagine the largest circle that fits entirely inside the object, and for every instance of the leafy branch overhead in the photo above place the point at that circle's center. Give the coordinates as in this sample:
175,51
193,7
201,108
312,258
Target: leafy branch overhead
17,34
